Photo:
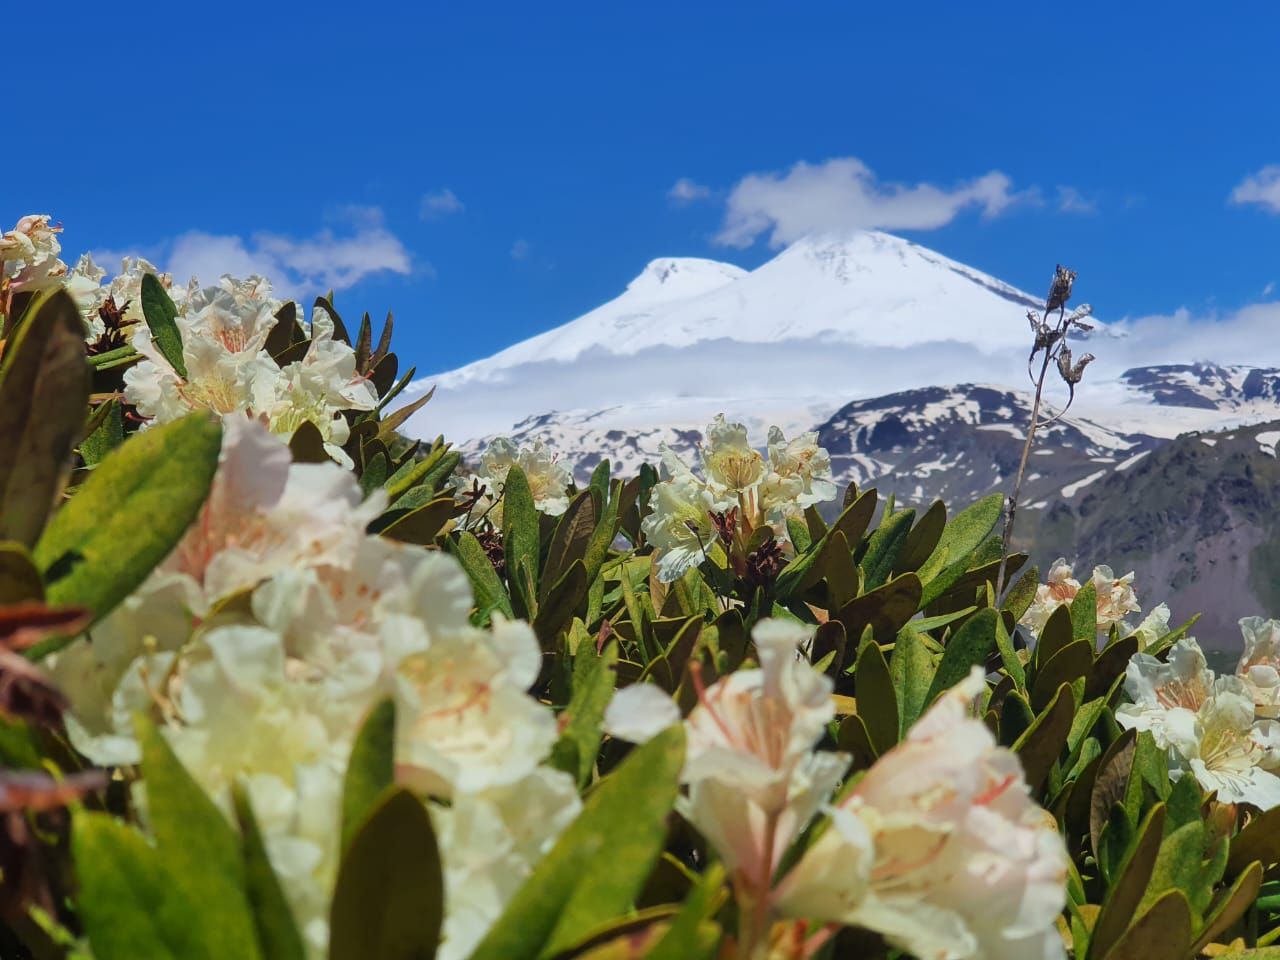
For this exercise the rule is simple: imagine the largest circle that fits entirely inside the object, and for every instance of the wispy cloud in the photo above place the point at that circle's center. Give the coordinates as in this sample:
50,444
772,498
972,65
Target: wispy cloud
843,193
440,204
1260,189
1071,200
685,190
331,259
521,249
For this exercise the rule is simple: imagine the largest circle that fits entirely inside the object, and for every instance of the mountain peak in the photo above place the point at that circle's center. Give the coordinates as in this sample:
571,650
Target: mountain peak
670,278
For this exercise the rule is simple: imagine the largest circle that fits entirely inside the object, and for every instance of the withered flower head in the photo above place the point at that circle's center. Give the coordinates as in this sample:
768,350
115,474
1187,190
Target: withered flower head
1071,373
1060,289
764,565
491,542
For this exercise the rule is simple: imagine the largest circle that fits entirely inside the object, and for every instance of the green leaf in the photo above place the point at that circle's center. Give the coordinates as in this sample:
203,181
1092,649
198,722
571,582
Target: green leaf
600,863
883,548
1039,747
129,514
278,935
877,701
371,769
804,570
160,312
519,522
963,535
1066,666
197,846
1230,906
1163,931
127,901
19,579
563,600
1084,614
683,939
885,609
1131,878
1260,841
44,393
490,594
108,434
594,680
388,901
1022,594
1056,634
968,647
569,542
923,539
1009,656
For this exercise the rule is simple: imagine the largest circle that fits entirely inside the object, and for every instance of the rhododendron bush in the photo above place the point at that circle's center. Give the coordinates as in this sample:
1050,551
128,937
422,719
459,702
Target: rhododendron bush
278,682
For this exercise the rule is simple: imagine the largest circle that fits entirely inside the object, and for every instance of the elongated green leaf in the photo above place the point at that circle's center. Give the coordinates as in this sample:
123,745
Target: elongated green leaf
106,436
371,769
278,936
594,679
569,542
19,578
160,314
519,522
923,539
968,647
1066,666
1009,656
44,393
490,593
683,941
1084,614
600,863
1163,931
197,846
963,535
877,700
912,669
129,514
127,900
1132,876
1043,741
884,546
388,902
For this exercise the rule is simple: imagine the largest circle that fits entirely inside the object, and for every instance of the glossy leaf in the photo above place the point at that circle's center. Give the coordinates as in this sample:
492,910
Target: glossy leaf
44,393
161,314
129,514
371,769
388,901
278,937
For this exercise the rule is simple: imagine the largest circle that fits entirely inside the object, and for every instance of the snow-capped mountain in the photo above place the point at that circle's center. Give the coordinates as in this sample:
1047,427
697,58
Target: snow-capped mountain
827,320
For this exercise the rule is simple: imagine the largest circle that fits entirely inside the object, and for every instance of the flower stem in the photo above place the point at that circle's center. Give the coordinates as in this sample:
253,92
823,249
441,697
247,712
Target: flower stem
1012,507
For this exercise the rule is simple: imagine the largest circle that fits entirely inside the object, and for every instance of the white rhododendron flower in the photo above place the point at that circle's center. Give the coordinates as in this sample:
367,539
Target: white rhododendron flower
940,848
261,643
739,482
548,477
802,465
490,841
753,778
224,331
29,255
1259,665
680,527
1208,725
1115,599
85,285
731,464
265,516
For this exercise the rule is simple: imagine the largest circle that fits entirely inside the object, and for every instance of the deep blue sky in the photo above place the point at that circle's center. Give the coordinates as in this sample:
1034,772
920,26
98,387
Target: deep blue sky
560,127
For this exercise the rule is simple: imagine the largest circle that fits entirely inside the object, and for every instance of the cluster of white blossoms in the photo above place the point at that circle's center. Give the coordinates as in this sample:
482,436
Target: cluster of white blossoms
736,477
261,643
1221,729
124,291
29,256
1115,601
224,331
548,476
939,846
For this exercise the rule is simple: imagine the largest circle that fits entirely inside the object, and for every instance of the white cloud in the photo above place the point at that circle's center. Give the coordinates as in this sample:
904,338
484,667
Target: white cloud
440,204
843,193
1261,188
521,249
324,261
685,190
1071,200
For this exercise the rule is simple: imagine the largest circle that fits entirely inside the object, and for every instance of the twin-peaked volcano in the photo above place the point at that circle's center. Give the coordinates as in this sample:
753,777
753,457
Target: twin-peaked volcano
827,320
